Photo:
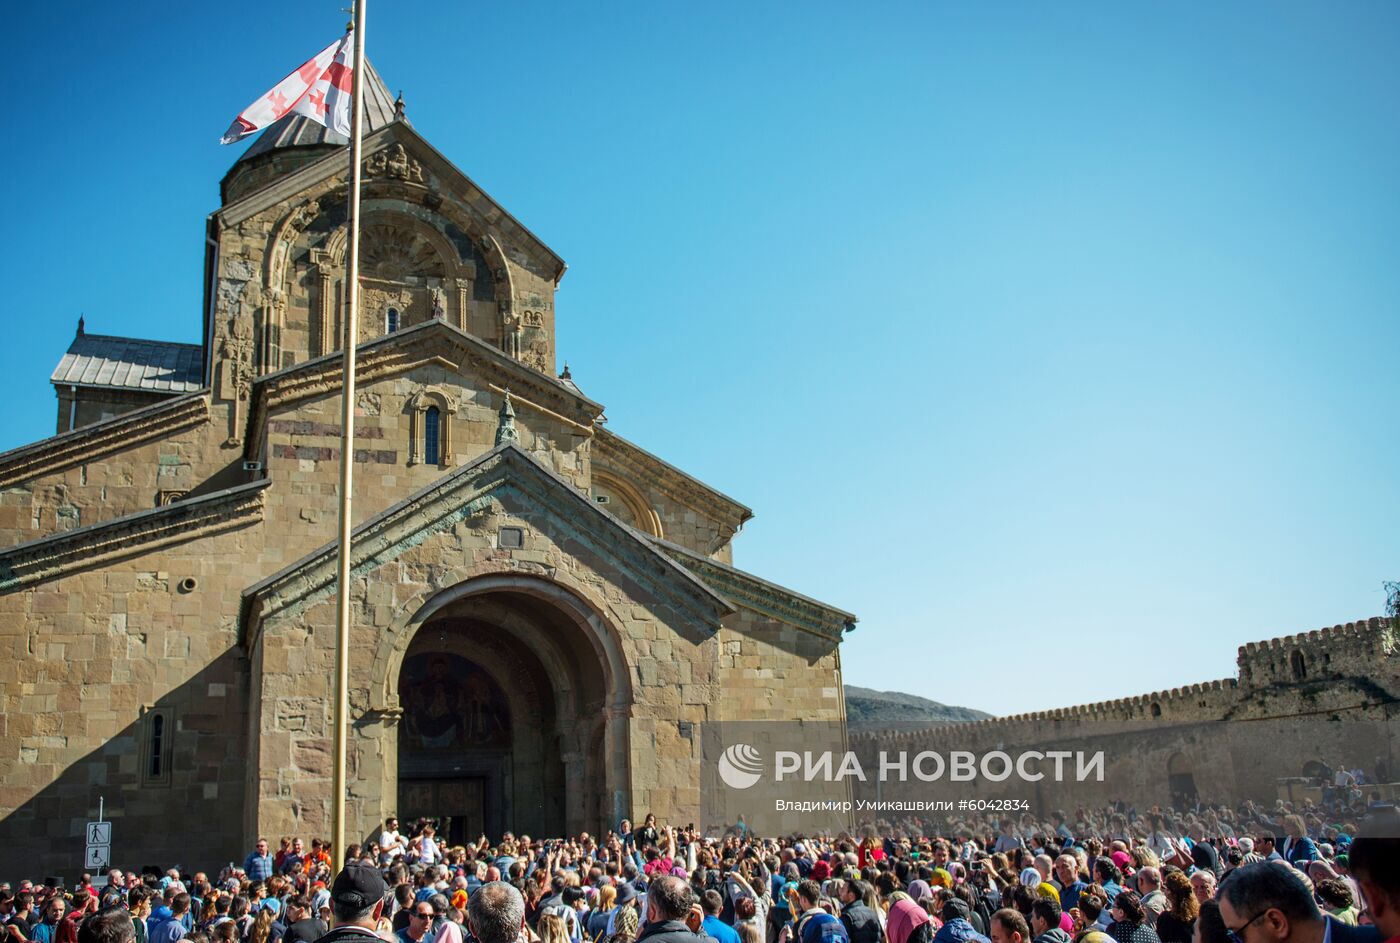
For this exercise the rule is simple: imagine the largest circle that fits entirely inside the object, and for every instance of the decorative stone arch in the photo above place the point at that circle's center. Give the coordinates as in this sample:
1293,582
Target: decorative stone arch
328,261
644,517
270,321
610,784
456,276
590,617
418,405
466,219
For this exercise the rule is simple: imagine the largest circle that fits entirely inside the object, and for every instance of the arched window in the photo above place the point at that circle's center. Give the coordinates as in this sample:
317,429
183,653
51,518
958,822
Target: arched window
430,412
157,746
431,423
156,751
391,321
1298,664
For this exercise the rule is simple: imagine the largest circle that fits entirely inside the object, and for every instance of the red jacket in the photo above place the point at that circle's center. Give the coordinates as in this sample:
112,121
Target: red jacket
67,929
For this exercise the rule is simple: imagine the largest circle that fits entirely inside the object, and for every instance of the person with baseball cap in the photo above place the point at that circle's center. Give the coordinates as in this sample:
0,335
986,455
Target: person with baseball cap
357,905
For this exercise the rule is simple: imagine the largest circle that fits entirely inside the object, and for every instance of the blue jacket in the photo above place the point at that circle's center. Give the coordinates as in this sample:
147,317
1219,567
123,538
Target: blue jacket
817,927
1303,849
958,930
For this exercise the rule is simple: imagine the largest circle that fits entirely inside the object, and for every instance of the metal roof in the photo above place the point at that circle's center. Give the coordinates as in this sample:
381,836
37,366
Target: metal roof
293,130
127,363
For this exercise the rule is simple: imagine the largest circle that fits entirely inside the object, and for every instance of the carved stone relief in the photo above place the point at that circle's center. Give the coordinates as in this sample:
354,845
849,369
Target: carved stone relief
394,164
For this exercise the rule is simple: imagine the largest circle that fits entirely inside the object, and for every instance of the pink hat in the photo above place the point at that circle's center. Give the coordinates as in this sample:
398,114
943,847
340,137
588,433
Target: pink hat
1122,859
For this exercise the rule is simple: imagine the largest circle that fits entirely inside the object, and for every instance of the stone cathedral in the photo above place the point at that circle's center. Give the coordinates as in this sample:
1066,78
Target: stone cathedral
543,612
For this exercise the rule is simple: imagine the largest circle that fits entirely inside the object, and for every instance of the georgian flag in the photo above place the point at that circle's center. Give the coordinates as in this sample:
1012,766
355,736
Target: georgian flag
319,89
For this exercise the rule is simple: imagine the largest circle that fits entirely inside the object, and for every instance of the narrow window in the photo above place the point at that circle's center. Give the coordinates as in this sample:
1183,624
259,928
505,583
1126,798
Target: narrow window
1299,665
391,321
157,746
157,752
430,436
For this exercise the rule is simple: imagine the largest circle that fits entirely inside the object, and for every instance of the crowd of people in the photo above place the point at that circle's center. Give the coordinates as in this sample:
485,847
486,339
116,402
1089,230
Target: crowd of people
1211,875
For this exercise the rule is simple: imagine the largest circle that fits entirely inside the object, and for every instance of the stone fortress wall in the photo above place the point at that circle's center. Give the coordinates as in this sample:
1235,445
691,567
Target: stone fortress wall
1329,696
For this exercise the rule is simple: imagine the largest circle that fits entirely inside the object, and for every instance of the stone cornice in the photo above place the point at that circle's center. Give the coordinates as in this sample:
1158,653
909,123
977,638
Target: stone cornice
397,353
634,463
759,595
96,544
473,490
464,189
56,453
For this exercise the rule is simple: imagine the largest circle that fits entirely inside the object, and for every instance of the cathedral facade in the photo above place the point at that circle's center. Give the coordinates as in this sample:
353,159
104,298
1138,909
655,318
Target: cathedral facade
543,613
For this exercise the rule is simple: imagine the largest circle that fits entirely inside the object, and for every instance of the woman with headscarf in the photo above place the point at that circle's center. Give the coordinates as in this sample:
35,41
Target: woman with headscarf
451,932
908,923
625,925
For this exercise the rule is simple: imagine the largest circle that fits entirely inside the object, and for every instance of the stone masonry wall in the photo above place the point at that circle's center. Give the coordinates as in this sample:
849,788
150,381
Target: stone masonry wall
670,663
303,452
95,405
117,468
1235,737
84,658
772,671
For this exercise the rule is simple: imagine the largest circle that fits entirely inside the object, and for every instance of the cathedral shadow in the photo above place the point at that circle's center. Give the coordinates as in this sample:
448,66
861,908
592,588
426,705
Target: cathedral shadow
177,772
230,476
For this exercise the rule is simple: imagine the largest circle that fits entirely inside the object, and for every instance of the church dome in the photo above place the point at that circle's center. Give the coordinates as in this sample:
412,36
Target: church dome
294,141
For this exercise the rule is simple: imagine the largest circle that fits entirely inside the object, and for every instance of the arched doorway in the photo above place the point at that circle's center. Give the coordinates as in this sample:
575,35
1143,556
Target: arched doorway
456,743
511,719
1181,781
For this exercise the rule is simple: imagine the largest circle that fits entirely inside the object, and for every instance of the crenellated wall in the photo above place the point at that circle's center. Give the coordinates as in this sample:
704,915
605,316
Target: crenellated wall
1355,648
1226,739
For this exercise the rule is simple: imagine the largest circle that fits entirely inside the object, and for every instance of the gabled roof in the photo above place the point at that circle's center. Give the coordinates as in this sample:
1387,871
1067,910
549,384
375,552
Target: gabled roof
128,363
465,493
333,164
761,596
639,465
91,442
131,535
386,356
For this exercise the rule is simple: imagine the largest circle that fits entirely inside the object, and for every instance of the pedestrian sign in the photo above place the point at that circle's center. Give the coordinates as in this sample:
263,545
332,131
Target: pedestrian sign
97,857
99,845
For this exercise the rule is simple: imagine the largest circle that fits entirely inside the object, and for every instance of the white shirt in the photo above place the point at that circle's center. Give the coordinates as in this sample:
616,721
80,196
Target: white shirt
390,844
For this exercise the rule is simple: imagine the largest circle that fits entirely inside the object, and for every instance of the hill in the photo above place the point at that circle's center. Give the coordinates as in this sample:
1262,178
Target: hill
867,710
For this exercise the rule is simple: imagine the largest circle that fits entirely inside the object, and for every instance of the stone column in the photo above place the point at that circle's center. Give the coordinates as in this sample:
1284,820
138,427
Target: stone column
323,313
575,778
615,765
464,300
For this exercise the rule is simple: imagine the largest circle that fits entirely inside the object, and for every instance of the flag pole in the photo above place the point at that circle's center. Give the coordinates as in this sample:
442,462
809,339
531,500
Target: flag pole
350,337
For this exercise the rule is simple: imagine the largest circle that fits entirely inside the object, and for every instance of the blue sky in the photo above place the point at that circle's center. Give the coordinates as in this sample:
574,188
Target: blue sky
1057,341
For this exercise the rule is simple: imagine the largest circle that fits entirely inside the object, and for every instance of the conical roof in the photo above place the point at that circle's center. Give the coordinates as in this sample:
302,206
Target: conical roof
294,131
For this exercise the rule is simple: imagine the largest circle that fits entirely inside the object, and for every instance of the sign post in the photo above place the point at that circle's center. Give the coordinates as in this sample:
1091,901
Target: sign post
99,842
